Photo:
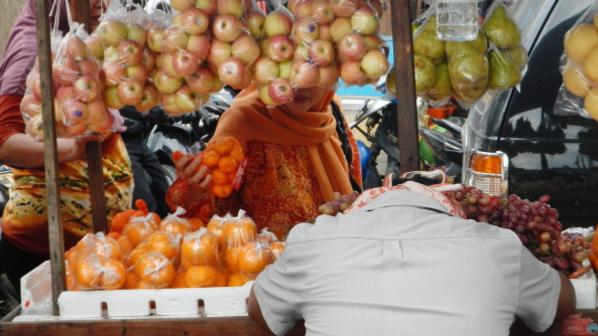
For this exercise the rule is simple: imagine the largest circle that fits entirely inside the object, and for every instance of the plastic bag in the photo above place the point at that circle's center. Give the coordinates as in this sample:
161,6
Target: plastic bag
237,232
253,259
137,230
201,264
175,223
266,236
152,270
579,93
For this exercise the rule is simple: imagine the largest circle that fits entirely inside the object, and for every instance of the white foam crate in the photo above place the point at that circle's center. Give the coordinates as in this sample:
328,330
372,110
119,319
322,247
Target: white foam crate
585,291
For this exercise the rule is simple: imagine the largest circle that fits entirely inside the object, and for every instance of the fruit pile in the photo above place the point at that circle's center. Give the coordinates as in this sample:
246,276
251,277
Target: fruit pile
143,252
78,104
535,223
580,74
466,70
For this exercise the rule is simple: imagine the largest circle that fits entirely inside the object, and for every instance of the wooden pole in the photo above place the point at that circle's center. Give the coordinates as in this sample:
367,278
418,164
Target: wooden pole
55,234
405,88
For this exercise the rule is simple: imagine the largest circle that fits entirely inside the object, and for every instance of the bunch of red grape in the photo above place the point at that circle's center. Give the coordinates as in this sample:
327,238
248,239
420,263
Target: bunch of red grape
339,204
479,206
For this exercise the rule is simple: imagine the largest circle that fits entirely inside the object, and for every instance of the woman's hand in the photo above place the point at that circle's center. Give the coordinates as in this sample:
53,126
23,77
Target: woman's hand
189,167
72,149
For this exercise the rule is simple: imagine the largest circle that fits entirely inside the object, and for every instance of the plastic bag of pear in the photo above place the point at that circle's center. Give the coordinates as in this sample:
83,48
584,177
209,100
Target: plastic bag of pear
495,60
579,67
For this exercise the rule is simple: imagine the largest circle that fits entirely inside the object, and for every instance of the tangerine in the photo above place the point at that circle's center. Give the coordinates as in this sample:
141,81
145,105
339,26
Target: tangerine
175,227
227,164
238,280
179,280
201,276
237,153
215,227
155,270
114,275
108,248
210,158
231,258
139,229
254,258
125,245
219,177
222,190
88,273
239,233
132,280
121,219
222,279
223,145
165,243
277,249
200,249
136,254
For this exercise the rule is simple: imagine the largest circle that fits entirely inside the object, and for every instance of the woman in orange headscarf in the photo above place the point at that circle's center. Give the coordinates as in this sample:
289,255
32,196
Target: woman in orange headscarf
295,160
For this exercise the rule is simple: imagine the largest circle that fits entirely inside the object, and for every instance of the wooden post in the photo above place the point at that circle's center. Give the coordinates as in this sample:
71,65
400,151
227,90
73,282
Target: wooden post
405,88
55,234
93,149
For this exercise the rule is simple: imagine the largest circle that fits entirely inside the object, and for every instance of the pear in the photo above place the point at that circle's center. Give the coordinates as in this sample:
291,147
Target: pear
580,41
501,30
591,103
425,74
503,72
575,81
442,88
479,45
469,76
590,66
518,56
430,26
428,44
391,83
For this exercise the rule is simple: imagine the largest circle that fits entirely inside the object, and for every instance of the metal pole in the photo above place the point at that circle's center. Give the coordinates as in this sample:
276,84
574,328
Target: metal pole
405,88
55,233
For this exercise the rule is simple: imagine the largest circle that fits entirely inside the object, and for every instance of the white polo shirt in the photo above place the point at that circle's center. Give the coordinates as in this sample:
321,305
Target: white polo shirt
403,266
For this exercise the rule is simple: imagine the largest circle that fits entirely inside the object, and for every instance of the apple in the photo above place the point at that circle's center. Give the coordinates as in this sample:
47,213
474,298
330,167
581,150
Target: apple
130,92
255,21
201,81
277,23
218,85
160,60
66,73
233,7
301,8
265,70
99,119
111,98
374,64
219,52
227,27
170,106
155,38
199,45
90,68
265,95
232,72
264,46
114,73
185,99
168,66
325,32
185,63
31,105
207,6
352,47
364,22
246,49
149,99
321,12
284,69
86,89
352,74
113,32
174,39
148,60
280,48
373,41
304,74
328,76
75,48
64,93
340,28
194,21
137,34
301,53
305,31
75,112
136,73
95,45
321,52
130,52
181,5
343,8
111,55
36,87
165,83
280,91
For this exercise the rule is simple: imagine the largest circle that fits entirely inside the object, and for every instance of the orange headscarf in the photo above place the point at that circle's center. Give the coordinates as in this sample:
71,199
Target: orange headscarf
248,119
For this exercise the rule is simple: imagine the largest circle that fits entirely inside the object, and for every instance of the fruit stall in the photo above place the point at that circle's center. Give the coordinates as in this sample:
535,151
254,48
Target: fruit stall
190,272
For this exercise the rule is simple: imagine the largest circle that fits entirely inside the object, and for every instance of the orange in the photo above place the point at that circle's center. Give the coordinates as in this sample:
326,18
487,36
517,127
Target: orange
210,158
254,257
222,279
155,270
239,233
132,280
237,153
227,164
175,227
113,235
201,276
238,280
138,231
222,190
223,146
277,249
179,280
136,254
125,245
219,177
231,258
165,243
200,249
114,275
88,273
119,220
107,248
215,227
195,223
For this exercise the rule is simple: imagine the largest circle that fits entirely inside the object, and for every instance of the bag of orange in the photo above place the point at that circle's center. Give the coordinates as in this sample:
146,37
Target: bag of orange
152,270
175,223
200,262
225,159
277,248
137,230
252,259
237,232
164,242
266,236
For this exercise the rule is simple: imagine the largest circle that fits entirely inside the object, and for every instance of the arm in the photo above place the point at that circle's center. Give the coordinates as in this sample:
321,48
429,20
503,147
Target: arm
566,305
255,313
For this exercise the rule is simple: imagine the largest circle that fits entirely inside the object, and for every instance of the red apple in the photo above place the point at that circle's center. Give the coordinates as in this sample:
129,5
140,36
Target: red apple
90,68
280,91
130,52
168,66
149,99
325,32
277,23
113,32
207,6
174,40
304,75
364,22
321,12
219,52
374,64
246,49
111,98
75,113
321,52
280,48
111,55
265,95
284,69
165,83
185,63
170,106
352,47
232,72
66,73
328,76
343,8
136,73
233,7
64,93
185,99
301,8
181,5
137,34
114,73
194,21
86,89
255,21
199,45
148,60
373,41
99,120
352,74
95,45
265,70
130,92
31,105
201,81
155,38
227,27
340,28
305,31
75,48
301,53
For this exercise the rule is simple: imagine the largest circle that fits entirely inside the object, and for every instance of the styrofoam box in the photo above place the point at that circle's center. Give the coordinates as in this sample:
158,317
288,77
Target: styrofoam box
585,291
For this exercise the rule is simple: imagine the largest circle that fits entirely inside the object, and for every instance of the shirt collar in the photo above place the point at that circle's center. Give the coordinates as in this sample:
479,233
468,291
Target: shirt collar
404,198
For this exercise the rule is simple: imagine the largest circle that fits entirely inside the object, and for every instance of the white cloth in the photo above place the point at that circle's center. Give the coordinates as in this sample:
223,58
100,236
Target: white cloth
402,266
